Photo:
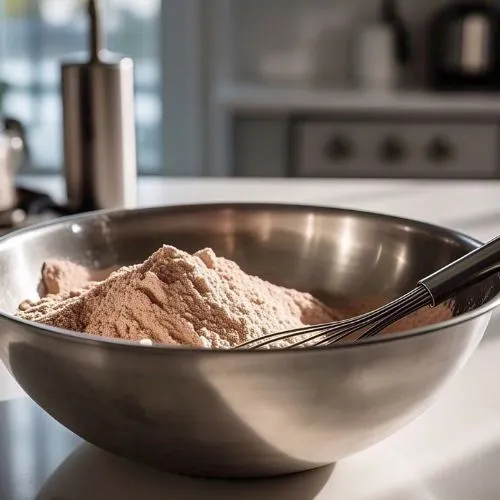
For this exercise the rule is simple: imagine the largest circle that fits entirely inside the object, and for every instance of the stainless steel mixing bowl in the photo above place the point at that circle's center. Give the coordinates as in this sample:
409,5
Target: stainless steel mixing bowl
242,413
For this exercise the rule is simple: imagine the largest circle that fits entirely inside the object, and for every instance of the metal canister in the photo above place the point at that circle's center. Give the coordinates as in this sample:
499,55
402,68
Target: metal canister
100,159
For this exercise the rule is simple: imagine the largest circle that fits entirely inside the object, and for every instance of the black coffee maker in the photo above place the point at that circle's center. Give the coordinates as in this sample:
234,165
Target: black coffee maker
463,51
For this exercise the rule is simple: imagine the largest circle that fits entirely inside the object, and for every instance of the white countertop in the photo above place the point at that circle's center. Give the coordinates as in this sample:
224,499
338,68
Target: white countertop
452,452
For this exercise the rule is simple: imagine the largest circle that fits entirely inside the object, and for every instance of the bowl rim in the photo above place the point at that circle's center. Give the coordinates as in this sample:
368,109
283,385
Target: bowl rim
87,338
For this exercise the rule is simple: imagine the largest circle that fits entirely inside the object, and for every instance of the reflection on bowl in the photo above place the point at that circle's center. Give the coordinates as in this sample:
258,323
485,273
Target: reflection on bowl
240,413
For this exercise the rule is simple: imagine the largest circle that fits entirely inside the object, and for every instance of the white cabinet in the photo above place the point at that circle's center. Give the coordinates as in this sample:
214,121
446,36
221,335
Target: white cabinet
395,148
228,102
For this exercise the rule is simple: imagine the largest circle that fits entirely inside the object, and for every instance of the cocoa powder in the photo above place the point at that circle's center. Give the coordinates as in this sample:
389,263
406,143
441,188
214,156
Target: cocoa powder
196,300
422,317
61,277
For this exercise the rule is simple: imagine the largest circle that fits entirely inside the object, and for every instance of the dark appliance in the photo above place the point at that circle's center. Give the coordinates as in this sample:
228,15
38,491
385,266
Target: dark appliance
463,50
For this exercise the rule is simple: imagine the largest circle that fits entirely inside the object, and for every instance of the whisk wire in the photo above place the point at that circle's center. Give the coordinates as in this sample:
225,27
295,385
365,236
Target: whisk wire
421,299
380,318
330,333
442,284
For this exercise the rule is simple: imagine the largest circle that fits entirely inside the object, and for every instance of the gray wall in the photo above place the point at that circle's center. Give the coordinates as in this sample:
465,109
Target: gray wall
325,27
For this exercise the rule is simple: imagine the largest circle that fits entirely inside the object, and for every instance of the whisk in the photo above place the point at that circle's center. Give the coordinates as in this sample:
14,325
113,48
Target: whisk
430,291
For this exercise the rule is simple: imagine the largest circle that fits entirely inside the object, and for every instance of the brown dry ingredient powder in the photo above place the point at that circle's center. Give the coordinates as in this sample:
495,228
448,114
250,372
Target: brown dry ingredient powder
199,300
174,298
422,317
61,277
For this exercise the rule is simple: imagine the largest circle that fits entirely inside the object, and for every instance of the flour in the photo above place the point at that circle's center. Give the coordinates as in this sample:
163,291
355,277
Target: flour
198,300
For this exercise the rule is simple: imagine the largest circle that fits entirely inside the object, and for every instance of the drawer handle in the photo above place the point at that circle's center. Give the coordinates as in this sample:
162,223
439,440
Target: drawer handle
393,150
338,149
440,150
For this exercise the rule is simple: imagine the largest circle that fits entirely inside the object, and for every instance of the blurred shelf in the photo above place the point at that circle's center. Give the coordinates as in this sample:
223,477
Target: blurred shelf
255,98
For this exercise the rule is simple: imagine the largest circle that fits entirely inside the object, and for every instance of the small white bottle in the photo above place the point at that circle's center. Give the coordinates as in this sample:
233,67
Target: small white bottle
376,67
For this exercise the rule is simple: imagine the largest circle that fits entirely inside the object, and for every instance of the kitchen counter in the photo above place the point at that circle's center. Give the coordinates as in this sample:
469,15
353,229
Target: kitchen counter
452,452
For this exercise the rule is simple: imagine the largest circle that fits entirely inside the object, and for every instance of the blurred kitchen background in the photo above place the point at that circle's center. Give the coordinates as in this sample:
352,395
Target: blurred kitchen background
276,87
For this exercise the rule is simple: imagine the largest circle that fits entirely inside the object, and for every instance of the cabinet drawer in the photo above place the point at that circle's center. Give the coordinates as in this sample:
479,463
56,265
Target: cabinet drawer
382,148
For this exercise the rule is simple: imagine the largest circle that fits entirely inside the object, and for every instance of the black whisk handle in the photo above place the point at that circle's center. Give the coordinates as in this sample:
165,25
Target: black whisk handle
466,271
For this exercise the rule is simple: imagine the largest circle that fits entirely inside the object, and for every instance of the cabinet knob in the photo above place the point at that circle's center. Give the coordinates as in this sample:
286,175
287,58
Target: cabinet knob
339,148
392,150
440,150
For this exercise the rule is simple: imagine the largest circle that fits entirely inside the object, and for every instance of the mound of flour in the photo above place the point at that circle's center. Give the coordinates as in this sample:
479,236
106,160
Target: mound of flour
173,298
